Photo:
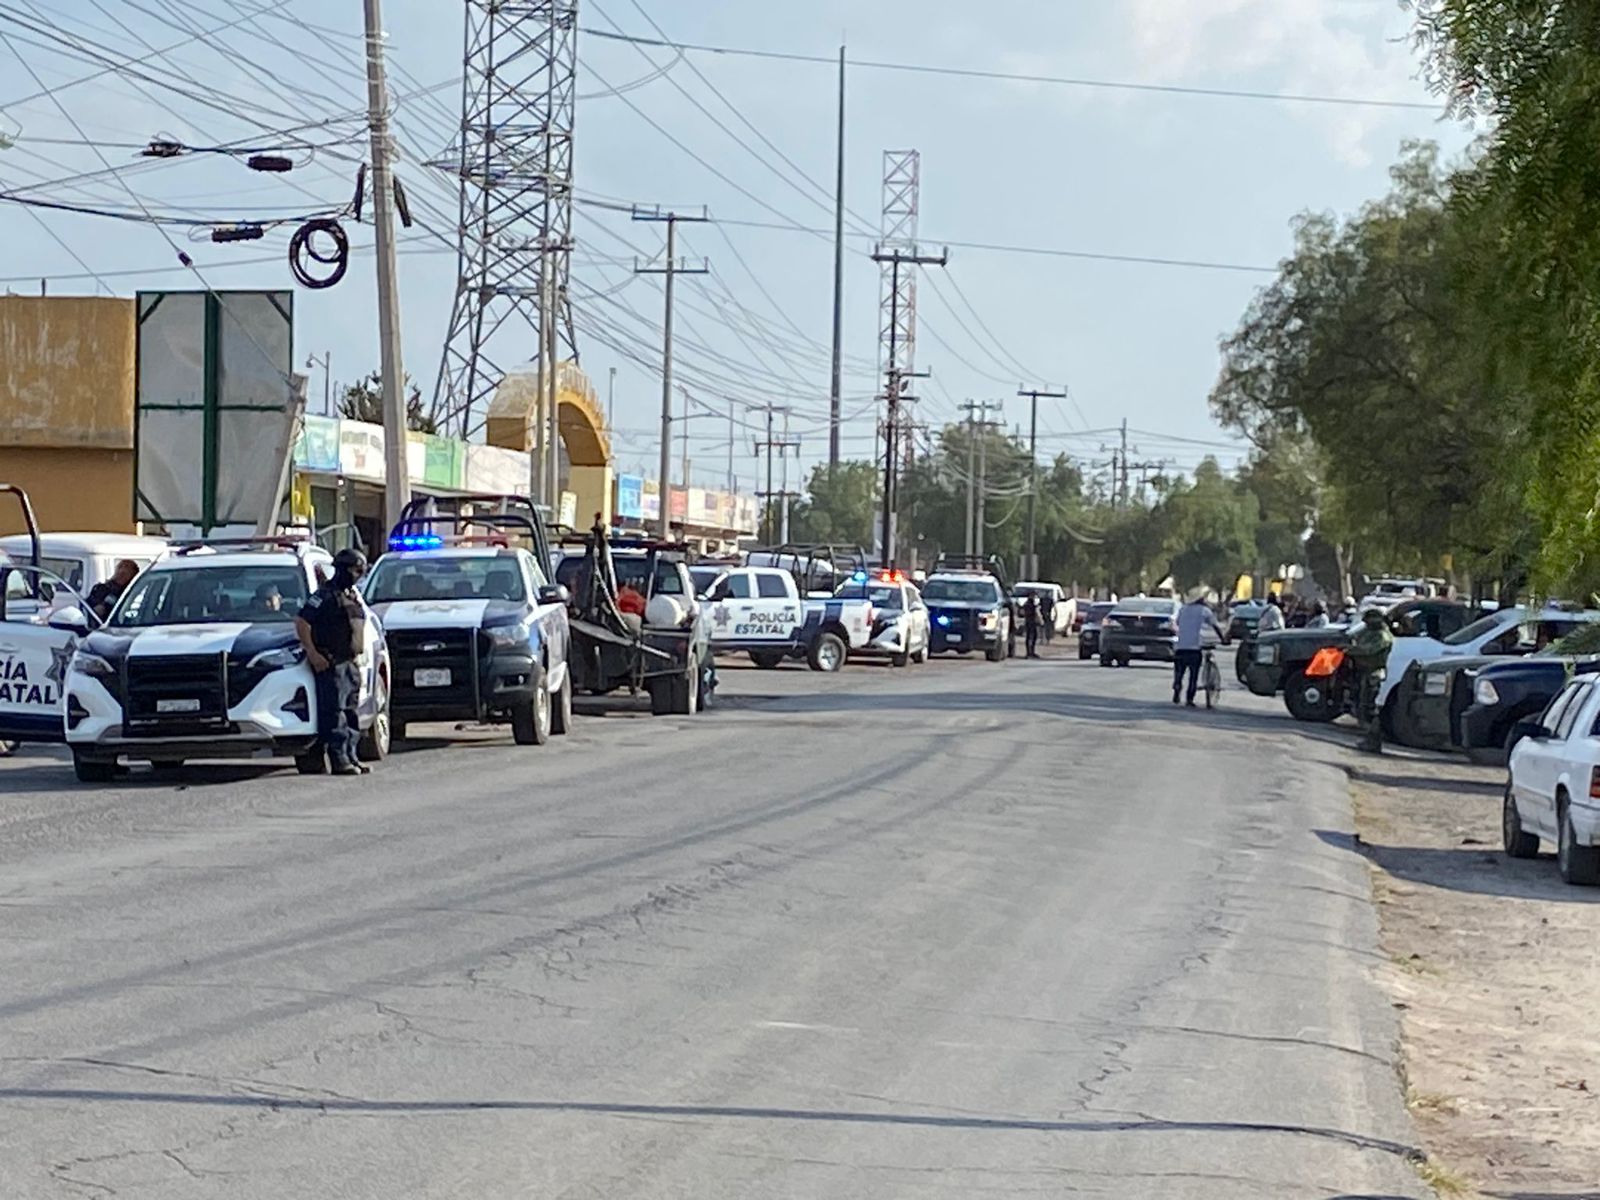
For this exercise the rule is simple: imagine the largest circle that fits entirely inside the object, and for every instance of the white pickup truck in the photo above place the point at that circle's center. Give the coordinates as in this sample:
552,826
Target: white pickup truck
759,611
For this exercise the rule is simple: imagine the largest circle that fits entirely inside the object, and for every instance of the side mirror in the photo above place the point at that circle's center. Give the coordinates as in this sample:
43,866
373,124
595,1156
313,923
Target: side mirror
554,593
1532,729
69,620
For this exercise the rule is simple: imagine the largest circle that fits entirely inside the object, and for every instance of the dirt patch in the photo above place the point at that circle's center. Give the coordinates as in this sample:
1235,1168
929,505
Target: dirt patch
1495,966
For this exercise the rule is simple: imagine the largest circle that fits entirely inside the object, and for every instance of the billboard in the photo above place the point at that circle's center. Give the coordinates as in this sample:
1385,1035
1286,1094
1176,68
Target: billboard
216,405
630,497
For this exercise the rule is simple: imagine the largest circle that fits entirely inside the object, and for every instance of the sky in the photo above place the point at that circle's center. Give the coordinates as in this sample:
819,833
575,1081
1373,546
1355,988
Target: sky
1029,165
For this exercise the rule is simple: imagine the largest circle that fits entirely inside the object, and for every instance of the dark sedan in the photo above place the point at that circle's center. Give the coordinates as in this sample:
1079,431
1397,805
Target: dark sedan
1491,699
1142,628
1089,631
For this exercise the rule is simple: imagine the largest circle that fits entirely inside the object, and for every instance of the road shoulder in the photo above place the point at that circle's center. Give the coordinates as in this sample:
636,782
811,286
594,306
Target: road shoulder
1492,964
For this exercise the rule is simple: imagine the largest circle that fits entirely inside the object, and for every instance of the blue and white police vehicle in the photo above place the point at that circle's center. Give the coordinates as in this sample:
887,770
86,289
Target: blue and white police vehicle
476,629
199,660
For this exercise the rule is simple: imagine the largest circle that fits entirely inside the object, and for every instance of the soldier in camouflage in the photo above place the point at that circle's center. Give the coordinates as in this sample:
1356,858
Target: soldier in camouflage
1369,654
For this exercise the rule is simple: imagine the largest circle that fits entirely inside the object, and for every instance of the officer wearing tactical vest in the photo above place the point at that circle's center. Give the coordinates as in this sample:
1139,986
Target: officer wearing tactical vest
1369,654
332,627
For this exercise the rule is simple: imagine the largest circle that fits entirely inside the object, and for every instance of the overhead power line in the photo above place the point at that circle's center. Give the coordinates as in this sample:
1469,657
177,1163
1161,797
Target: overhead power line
1120,85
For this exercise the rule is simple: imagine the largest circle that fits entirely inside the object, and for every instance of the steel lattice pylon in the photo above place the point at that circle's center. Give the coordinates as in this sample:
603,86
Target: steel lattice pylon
897,319
514,158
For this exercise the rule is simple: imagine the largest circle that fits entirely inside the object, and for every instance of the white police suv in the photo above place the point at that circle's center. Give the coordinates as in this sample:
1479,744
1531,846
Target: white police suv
199,659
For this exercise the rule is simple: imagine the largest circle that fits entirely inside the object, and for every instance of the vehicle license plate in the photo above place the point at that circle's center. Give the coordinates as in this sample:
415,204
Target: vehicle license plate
431,677
177,706
1135,647
952,637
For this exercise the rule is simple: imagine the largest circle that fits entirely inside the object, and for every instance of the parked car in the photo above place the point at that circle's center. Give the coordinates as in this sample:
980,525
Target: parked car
1089,629
1143,628
1488,699
1243,618
1553,792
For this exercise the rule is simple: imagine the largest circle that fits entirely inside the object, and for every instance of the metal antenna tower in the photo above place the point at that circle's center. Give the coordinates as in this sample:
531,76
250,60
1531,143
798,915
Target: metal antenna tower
897,319
514,160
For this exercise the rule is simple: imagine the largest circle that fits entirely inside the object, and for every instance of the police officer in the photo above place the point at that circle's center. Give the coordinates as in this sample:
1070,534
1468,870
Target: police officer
332,627
1369,654
1031,622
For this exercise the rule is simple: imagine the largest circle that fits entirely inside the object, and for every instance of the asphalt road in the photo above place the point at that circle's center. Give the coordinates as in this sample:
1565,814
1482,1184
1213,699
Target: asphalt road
955,930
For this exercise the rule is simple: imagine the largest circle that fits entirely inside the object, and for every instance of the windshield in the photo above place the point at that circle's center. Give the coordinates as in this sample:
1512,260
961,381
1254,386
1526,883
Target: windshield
881,595
406,577
1097,611
1145,608
203,595
1471,633
965,591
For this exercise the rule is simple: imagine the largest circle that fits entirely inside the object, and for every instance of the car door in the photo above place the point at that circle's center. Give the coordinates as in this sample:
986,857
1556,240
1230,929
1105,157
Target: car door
1541,759
729,604
775,614
549,619
34,654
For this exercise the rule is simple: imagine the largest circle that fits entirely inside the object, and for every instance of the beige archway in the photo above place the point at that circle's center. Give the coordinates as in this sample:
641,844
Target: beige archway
584,436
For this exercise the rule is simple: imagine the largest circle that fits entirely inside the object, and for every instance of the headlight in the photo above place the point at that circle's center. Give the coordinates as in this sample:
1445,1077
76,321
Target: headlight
273,660
1486,693
508,635
1433,683
989,619
1110,623
93,665
1266,653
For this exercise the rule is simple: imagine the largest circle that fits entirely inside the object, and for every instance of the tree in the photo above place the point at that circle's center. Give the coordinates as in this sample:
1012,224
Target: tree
363,401
838,507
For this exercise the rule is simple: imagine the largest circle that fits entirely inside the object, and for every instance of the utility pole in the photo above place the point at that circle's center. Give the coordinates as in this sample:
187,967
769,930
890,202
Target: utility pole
731,440
983,487
1122,488
683,437
1030,567
396,481
611,401
835,391
978,424
896,380
326,363
781,445
671,269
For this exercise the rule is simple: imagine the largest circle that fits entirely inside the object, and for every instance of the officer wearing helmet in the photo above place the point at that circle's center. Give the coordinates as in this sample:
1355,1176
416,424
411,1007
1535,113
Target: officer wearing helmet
1369,654
332,628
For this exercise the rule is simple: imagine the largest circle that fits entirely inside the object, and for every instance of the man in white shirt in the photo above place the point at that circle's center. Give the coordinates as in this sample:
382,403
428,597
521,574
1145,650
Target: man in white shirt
1193,620
1271,616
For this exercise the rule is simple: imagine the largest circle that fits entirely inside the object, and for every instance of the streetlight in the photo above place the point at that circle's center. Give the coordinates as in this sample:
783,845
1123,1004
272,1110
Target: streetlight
326,363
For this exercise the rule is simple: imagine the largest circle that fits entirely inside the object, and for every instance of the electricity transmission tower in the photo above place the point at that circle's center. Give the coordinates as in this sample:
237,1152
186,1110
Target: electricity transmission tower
897,306
514,160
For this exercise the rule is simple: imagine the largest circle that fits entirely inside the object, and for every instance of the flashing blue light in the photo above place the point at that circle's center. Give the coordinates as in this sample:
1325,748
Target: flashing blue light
416,541
942,619
859,577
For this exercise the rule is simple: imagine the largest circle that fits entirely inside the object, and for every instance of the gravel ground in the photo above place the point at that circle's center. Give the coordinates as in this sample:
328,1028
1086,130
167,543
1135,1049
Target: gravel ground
1495,969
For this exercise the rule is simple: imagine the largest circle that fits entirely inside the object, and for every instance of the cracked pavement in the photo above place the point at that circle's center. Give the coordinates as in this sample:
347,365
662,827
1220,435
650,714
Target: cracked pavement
956,930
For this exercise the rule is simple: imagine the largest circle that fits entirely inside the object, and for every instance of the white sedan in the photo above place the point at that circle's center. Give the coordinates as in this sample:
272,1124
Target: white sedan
1554,791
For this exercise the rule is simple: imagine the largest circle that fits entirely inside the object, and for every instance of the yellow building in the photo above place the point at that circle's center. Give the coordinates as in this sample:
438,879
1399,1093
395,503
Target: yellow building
67,410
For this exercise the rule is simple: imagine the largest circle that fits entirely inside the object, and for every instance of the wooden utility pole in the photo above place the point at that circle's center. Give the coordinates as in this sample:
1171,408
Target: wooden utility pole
1030,566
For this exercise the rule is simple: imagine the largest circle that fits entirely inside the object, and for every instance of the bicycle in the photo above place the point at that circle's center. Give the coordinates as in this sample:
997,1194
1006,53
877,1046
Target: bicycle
1210,676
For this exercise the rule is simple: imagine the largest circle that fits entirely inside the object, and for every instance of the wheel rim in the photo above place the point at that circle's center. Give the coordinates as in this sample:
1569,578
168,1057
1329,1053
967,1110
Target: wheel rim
828,654
380,724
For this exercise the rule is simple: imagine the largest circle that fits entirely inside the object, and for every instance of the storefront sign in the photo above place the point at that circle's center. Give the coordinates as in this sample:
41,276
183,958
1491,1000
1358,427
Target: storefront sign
317,448
361,450
630,496
650,500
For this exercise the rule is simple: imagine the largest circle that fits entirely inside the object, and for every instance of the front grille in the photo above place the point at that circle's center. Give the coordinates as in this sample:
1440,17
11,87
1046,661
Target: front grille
455,650
175,694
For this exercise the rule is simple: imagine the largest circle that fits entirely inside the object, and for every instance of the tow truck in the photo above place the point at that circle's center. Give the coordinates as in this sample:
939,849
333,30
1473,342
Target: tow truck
476,630
635,622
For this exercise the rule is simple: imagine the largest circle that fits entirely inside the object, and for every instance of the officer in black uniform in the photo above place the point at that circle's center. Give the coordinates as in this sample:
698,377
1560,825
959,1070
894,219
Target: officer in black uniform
332,627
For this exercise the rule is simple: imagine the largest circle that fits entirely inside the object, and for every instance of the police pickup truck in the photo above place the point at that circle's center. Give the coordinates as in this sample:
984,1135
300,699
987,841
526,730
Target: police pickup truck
199,659
476,630
970,607
759,611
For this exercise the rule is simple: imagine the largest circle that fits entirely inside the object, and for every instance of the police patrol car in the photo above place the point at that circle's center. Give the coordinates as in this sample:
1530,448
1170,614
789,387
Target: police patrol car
199,659
476,630
41,620
759,610
899,618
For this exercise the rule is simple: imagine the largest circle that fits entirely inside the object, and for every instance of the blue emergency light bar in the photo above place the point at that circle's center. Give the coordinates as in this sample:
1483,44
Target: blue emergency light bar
416,541
859,577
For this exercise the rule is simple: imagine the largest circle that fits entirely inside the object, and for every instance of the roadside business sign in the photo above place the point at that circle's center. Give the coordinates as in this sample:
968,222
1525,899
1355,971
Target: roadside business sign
630,496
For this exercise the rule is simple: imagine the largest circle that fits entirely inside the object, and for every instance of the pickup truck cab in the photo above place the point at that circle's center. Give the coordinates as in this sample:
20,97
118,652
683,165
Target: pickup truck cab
970,607
82,560
759,611
475,629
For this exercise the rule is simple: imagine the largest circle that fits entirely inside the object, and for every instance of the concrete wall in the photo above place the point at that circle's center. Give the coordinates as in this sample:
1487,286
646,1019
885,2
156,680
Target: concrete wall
71,489
66,371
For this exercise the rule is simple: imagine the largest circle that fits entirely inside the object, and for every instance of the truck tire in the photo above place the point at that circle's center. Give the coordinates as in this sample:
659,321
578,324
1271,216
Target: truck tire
375,742
767,660
93,770
1309,699
675,695
561,713
530,720
828,653
899,660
